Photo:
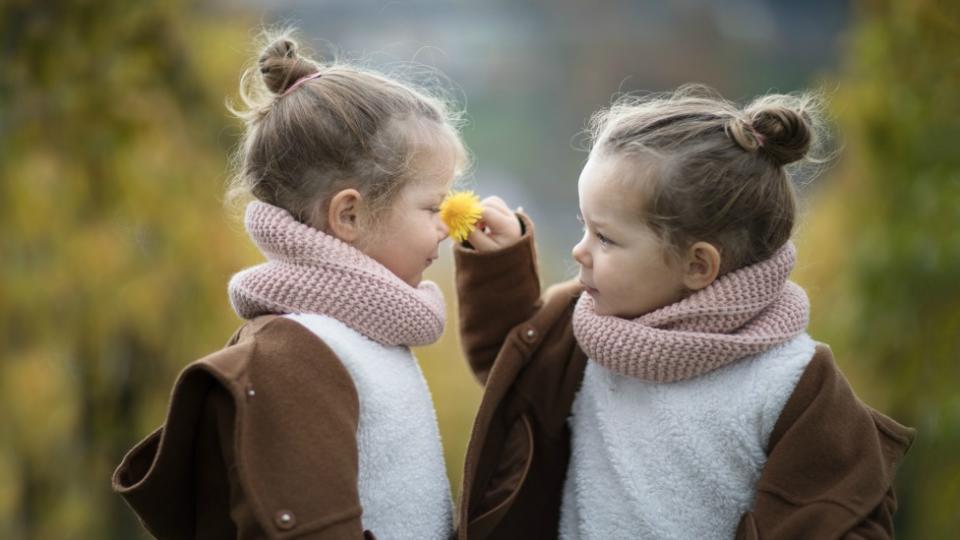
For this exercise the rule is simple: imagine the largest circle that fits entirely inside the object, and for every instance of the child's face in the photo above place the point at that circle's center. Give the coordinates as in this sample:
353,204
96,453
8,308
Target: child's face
622,261
407,241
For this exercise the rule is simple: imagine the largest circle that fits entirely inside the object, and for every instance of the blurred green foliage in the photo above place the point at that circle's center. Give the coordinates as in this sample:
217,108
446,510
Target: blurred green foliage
116,248
882,245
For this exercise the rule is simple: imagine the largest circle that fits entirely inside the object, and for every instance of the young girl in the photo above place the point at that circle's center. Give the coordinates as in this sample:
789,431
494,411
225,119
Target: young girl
672,390
315,420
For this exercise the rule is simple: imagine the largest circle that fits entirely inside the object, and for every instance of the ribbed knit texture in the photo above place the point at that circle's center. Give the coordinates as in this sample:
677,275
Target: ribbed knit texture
308,271
745,312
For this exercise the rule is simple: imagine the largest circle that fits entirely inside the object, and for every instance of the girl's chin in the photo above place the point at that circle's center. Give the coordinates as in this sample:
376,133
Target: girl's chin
413,281
599,308
608,311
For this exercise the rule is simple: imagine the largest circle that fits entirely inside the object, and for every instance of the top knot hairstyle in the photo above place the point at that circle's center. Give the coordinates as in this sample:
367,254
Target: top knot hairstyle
718,173
281,66
314,128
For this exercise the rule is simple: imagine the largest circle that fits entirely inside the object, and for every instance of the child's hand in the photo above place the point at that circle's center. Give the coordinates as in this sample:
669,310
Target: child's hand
498,228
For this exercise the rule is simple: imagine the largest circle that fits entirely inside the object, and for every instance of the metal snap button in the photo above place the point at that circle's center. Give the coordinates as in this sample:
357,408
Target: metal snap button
285,519
530,334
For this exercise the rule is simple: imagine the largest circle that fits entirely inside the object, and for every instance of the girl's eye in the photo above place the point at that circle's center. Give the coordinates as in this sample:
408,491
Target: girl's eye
434,209
604,241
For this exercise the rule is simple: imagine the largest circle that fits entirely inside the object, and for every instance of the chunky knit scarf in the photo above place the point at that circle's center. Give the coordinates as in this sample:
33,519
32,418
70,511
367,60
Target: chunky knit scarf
743,313
308,271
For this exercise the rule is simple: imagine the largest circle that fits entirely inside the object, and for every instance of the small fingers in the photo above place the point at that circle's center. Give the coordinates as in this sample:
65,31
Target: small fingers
481,241
495,202
498,226
499,221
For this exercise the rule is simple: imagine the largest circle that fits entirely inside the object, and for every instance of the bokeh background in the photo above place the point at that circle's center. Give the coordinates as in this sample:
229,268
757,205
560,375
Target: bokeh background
115,245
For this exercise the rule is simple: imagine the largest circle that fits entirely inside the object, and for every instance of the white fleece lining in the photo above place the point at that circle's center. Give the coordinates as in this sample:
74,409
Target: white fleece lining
403,482
674,460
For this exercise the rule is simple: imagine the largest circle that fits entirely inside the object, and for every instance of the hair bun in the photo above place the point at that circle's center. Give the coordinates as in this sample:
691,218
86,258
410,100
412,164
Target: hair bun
785,134
281,65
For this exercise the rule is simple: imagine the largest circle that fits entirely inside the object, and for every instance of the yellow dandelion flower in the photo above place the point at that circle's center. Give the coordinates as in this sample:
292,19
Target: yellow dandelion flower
461,210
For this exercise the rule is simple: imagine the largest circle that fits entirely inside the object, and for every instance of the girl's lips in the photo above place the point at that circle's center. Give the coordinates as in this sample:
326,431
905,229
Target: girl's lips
589,289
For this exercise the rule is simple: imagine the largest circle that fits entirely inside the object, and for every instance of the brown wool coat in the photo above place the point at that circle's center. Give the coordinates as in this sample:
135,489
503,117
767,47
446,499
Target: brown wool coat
831,459
259,442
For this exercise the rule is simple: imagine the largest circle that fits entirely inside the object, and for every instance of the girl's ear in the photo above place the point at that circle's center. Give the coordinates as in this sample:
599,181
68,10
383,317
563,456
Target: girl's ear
701,266
343,215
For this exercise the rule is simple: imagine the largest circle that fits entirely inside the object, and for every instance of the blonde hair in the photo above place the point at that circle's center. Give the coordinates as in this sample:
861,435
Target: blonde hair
349,127
718,172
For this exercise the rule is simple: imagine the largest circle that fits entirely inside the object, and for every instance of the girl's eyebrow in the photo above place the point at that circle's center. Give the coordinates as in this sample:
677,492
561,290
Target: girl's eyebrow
435,195
583,219
594,222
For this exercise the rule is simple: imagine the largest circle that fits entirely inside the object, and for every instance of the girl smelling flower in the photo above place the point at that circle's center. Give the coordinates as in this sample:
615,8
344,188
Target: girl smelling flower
315,420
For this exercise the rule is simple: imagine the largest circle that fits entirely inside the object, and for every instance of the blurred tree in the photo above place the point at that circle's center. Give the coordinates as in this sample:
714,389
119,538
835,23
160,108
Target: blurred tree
114,245
889,222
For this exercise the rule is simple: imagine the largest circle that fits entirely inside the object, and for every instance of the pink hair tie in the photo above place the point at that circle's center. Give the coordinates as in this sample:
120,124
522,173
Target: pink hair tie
301,80
756,135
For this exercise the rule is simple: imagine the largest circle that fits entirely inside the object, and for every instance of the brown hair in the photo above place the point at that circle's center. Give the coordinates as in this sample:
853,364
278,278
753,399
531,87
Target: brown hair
718,172
347,128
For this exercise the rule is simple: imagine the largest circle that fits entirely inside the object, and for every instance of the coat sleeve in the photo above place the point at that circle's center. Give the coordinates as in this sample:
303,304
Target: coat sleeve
260,440
294,441
495,291
830,465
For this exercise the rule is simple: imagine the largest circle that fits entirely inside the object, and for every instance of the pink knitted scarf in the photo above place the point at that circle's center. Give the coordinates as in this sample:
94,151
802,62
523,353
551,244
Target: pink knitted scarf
308,271
743,313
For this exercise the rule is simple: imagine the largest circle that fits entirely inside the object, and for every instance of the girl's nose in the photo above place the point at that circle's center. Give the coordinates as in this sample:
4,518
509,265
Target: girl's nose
580,253
443,230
